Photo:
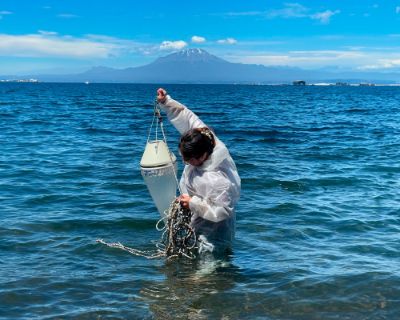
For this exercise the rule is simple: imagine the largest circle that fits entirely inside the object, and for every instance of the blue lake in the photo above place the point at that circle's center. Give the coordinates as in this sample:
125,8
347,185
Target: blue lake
317,224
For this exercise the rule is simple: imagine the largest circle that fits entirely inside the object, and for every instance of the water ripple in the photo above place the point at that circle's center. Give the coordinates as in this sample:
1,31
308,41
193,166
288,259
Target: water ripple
317,224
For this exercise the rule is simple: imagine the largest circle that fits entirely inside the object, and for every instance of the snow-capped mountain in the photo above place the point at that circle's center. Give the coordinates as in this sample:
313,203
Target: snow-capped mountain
199,66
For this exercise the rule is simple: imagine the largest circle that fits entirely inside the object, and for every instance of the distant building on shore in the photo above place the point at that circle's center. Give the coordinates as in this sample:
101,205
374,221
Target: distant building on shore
299,83
19,80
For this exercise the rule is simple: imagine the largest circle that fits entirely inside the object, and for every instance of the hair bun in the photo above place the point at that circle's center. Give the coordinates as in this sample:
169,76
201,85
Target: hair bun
207,132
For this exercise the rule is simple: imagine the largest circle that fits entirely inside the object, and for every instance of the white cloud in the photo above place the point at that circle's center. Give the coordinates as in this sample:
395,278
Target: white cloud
382,64
173,45
398,9
289,11
306,59
324,17
227,41
363,59
47,33
198,39
48,44
123,45
245,13
67,16
4,13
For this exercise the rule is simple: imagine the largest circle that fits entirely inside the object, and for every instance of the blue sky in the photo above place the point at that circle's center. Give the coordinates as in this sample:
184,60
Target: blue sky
64,36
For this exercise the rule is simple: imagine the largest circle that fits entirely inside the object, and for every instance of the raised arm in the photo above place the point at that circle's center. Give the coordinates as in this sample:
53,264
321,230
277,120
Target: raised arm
180,116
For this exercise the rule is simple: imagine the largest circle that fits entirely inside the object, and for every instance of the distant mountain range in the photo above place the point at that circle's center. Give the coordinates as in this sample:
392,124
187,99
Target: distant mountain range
199,66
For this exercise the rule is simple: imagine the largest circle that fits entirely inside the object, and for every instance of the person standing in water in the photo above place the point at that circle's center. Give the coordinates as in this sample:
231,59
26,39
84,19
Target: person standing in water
210,183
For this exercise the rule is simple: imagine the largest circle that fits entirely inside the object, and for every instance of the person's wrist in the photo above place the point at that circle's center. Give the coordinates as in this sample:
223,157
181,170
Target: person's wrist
166,98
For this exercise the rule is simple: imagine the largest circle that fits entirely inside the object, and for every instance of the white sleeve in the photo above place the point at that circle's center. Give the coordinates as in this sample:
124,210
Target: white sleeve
217,204
180,116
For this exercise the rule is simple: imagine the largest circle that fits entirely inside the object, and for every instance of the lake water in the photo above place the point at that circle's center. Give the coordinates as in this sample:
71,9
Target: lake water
317,225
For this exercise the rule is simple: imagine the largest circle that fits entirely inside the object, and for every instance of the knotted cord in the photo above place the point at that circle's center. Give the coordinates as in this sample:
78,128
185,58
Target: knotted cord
177,240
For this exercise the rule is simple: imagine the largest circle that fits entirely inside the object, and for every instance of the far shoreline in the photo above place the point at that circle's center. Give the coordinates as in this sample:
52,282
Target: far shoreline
311,84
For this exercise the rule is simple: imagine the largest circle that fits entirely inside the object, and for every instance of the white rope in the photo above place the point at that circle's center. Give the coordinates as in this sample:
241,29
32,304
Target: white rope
136,252
178,238
170,154
152,123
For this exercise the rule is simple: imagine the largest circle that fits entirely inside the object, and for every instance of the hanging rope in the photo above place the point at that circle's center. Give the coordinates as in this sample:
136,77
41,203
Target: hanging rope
178,238
157,113
157,116
136,252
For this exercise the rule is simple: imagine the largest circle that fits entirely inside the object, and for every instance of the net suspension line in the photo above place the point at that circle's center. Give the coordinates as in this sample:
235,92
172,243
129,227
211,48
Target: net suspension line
160,123
178,238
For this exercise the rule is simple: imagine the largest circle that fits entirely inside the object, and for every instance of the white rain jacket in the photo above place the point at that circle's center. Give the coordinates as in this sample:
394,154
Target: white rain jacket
214,186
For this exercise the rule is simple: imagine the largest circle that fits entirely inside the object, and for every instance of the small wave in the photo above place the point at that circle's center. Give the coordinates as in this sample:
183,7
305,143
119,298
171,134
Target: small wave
13,232
357,110
351,226
85,224
93,130
7,115
294,186
36,122
274,140
44,199
382,169
334,181
286,207
319,129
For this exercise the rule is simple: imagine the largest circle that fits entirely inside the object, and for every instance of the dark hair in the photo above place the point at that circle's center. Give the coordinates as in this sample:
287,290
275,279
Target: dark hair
196,142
